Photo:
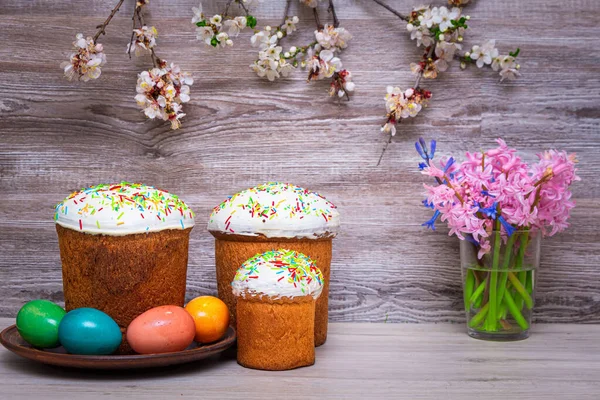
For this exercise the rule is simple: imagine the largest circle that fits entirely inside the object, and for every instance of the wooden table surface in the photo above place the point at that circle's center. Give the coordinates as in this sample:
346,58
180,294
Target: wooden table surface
359,360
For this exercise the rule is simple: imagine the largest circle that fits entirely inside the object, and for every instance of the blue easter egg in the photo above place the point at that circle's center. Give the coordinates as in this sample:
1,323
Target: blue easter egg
89,331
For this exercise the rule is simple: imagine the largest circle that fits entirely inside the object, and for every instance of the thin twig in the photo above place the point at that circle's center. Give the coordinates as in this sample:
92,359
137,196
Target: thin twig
429,55
317,20
227,8
336,21
384,149
286,12
103,26
390,9
241,3
132,31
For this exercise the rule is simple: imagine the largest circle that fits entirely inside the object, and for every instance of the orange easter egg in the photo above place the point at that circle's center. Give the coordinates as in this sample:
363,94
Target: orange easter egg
211,317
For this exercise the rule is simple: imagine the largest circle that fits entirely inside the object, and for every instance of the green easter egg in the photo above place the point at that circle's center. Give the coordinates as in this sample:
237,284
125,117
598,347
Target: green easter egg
37,322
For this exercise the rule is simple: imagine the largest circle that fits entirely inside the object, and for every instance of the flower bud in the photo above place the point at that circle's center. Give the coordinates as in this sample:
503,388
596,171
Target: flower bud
293,49
441,37
467,54
229,42
410,27
286,54
468,17
518,66
267,28
279,34
460,38
463,65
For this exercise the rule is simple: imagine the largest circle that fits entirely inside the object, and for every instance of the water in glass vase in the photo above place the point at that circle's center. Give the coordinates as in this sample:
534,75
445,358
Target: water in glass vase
499,287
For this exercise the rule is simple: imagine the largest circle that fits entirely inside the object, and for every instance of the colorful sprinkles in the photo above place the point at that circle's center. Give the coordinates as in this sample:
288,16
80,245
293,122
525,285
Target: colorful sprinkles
124,206
288,267
300,204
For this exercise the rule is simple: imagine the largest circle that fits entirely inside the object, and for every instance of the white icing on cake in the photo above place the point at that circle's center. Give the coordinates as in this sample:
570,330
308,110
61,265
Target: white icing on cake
279,273
276,210
123,209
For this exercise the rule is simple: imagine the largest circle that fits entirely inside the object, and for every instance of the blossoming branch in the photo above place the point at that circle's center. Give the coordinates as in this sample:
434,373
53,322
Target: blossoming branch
320,58
211,30
440,31
161,90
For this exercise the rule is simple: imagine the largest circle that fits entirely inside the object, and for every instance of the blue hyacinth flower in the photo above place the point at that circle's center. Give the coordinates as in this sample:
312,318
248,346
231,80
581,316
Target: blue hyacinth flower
507,227
431,223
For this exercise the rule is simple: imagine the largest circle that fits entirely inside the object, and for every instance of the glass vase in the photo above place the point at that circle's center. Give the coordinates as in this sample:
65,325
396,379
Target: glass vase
499,287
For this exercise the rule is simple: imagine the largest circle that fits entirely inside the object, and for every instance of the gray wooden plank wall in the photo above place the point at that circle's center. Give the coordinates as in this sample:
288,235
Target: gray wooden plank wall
57,136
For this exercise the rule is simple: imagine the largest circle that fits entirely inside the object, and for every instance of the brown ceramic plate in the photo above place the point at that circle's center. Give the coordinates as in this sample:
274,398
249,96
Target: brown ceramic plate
11,339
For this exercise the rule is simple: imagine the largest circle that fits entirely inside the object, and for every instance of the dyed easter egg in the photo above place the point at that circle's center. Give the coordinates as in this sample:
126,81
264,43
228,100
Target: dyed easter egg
161,329
38,321
89,331
211,318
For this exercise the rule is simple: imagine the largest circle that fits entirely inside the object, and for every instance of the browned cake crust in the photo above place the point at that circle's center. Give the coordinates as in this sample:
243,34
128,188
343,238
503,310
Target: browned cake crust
123,275
231,251
275,335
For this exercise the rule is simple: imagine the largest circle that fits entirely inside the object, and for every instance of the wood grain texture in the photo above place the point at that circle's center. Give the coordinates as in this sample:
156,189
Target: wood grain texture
359,361
57,136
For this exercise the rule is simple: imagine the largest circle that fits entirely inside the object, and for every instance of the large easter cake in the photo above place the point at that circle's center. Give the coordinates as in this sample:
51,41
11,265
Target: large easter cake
124,249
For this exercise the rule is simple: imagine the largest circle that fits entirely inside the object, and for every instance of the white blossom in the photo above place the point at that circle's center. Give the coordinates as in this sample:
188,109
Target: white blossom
341,84
443,17
423,37
402,104
84,64
323,66
263,39
235,25
144,40
446,50
483,55
205,34
161,92
223,39
198,16
289,25
216,20
333,38
426,19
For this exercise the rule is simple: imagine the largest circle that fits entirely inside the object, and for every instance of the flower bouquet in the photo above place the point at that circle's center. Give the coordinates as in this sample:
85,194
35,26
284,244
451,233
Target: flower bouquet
500,207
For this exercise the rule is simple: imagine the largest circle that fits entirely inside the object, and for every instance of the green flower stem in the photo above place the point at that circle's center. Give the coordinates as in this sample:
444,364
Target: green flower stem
522,275
477,293
491,321
468,290
502,310
504,275
512,307
519,267
479,317
529,284
521,290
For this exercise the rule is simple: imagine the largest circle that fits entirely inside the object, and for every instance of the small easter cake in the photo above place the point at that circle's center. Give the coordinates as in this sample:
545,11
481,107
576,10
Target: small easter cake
124,249
271,216
276,294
